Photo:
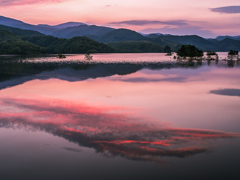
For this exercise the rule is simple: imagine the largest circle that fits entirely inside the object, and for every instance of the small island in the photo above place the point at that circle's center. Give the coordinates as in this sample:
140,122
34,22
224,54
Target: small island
233,55
61,56
211,55
189,51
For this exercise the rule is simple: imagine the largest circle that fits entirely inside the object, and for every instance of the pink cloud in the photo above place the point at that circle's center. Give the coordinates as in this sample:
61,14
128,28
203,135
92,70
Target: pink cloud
26,2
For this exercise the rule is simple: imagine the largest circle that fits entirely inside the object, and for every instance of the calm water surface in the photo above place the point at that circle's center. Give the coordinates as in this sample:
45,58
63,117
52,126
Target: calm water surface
120,116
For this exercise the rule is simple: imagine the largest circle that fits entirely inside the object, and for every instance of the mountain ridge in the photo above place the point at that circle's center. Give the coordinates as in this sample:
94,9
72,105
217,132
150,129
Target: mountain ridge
106,35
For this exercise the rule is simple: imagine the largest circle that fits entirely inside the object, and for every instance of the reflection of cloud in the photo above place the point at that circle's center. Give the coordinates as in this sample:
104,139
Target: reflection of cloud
227,9
72,149
107,129
226,92
26,2
145,22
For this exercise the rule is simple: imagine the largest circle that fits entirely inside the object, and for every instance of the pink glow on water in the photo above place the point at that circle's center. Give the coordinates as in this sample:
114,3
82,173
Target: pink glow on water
143,114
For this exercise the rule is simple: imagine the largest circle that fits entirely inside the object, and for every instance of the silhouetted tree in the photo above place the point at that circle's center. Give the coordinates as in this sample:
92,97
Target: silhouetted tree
189,51
167,49
88,57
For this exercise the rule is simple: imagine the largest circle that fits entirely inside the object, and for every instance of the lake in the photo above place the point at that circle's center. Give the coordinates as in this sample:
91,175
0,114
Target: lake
119,116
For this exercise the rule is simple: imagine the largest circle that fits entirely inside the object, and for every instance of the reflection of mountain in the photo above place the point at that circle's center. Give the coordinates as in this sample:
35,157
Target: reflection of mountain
114,134
226,92
14,72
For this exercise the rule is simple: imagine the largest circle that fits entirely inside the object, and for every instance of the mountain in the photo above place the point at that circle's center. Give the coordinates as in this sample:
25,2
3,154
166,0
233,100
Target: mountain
65,30
12,44
103,34
220,38
20,41
165,42
214,41
19,24
195,40
136,46
70,46
20,32
13,22
154,35
230,44
63,25
82,30
118,35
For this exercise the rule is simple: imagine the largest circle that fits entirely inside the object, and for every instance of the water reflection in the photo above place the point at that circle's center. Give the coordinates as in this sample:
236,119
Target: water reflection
14,71
226,92
109,130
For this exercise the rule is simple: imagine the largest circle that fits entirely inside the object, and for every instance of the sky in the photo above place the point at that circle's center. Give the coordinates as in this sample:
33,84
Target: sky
207,18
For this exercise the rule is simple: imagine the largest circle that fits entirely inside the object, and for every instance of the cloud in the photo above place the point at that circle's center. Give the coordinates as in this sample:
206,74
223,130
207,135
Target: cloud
227,9
146,22
184,30
108,130
26,2
177,27
226,92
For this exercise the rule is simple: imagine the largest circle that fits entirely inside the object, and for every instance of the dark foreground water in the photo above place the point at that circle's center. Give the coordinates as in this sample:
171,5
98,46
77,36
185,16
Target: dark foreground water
120,116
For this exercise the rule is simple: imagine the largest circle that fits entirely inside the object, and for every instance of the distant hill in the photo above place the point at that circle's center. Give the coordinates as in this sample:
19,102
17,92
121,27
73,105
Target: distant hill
154,35
136,46
195,40
19,24
121,35
12,44
13,22
214,41
65,30
165,42
42,28
229,44
103,34
20,32
20,41
220,38
82,30
63,25
73,45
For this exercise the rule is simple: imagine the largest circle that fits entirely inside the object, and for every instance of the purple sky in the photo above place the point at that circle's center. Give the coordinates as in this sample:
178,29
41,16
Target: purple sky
207,18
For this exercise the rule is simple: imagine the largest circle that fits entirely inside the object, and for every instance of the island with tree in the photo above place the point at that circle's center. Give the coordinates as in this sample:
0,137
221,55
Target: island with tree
211,55
189,51
233,55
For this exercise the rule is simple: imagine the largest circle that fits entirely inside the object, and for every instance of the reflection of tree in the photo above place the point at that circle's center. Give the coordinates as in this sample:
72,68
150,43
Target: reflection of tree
230,63
199,62
233,55
209,62
211,55
19,67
